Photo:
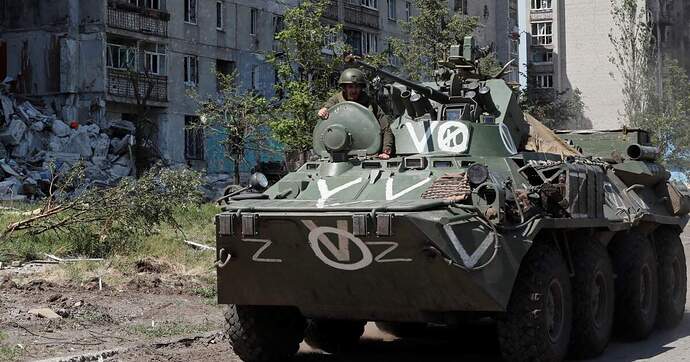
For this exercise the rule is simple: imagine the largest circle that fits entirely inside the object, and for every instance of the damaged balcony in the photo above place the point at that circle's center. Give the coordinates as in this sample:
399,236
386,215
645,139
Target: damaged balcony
133,86
361,15
138,19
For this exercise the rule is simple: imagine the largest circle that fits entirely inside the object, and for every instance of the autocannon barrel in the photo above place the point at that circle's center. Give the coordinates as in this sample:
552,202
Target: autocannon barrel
431,93
642,153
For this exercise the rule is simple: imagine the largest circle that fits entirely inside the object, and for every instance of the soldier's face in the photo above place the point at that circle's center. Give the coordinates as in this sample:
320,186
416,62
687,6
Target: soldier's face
352,92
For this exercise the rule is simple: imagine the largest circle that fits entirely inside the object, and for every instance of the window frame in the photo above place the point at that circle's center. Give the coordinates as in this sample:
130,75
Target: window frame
370,4
367,39
191,70
120,47
190,12
541,39
220,15
194,137
408,10
534,4
544,81
462,7
392,10
253,19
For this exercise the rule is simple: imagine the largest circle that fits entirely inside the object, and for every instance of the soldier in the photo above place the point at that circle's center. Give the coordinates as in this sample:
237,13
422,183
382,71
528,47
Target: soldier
352,81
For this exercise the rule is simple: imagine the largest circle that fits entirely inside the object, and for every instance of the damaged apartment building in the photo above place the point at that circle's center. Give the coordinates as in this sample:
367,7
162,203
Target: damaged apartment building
104,61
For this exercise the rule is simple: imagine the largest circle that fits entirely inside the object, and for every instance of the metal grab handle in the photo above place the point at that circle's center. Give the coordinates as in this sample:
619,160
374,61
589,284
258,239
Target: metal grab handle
222,263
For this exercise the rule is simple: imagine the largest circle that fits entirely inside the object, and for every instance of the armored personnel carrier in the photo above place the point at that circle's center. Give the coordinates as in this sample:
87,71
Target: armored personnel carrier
481,213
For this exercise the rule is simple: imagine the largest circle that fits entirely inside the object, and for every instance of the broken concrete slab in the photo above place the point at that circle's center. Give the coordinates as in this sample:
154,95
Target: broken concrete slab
23,149
8,169
121,128
57,144
37,126
80,143
7,108
10,187
118,171
120,146
14,132
59,128
101,146
45,313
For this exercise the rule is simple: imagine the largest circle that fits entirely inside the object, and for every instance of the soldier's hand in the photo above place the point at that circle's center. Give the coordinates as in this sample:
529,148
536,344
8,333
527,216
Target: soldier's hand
384,156
323,113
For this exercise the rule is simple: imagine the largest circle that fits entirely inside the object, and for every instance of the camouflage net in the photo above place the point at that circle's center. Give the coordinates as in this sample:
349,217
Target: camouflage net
454,186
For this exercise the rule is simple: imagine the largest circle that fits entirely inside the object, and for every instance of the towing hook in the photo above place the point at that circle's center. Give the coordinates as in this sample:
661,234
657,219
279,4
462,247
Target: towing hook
223,260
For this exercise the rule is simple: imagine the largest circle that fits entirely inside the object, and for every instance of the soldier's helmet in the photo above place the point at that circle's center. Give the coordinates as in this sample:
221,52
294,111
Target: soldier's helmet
352,76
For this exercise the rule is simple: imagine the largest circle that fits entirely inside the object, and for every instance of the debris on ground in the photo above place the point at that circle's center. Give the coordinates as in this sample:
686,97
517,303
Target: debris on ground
44,313
36,142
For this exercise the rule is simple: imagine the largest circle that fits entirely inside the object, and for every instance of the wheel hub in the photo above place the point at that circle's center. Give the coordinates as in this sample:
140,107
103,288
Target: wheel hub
555,310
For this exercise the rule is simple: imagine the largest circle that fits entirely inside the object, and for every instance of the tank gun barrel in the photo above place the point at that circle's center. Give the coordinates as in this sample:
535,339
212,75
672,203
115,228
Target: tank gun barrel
429,92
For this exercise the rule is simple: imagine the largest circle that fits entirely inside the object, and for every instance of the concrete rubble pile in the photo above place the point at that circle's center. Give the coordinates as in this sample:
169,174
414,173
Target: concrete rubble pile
34,140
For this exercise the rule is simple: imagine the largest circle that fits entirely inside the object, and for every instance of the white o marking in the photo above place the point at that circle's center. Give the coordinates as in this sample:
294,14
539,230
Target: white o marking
453,137
317,236
507,139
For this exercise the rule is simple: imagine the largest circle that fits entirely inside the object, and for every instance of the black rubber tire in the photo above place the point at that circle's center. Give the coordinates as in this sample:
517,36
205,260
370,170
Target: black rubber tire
634,263
673,278
525,332
593,300
402,329
334,336
264,333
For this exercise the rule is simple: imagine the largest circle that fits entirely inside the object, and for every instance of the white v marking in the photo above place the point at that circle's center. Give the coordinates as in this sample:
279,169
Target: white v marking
392,196
326,193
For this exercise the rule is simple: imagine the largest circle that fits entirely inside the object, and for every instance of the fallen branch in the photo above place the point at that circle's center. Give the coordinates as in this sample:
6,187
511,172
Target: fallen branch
199,246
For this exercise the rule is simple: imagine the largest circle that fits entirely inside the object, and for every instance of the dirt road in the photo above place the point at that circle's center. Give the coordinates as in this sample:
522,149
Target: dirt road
158,317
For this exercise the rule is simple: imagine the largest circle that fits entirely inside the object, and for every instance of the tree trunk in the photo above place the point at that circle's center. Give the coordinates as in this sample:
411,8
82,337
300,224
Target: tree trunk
237,172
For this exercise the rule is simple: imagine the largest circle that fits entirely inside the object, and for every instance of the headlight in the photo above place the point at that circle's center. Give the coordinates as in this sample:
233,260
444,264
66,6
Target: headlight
477,174
258,181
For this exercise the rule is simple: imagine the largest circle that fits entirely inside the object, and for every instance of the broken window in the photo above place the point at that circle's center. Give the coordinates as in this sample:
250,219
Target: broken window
392,9
354,39
373,4
542,33
461,6
219,15
254,18
369,43
541,4
408,10
545,81
190,11
121,56
193,138
154,59
191,70
223,67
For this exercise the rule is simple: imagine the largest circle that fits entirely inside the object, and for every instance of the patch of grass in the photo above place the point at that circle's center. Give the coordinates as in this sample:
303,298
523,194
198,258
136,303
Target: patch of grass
169,329
11,353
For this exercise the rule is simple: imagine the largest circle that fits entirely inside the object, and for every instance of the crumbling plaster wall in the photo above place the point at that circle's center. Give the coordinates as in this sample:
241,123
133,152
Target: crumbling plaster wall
55,48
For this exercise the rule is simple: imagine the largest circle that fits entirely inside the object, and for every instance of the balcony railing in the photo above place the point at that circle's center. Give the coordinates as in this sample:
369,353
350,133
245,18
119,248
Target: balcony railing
123,15
121,83
360,15
331,11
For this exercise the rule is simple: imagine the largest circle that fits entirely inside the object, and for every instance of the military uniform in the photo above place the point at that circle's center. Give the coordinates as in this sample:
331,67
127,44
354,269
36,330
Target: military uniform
388,141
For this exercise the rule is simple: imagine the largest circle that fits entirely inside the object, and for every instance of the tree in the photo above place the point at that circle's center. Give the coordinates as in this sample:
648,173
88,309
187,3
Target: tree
556,110
633,56
239,117
306,63
658,101
429,36
667,116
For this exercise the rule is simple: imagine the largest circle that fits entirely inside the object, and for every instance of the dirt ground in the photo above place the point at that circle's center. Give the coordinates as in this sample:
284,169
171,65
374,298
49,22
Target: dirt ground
155,317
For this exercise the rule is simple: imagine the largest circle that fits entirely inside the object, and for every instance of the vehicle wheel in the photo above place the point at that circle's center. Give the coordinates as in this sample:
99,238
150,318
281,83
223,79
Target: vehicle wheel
539,319
334,336
635,266
401,329
264,333
593,300
673,279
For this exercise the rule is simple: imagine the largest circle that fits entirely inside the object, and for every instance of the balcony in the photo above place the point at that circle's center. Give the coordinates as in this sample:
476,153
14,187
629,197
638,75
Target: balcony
331,11
121,83
125,16
360,15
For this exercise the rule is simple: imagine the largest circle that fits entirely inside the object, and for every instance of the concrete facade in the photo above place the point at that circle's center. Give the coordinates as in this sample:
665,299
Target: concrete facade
568,48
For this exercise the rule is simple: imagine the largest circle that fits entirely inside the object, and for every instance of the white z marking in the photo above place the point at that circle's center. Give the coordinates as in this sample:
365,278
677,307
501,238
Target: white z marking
390,195
326,193
257,255
392,246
